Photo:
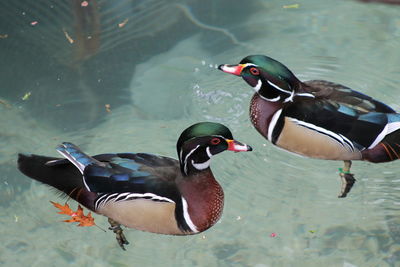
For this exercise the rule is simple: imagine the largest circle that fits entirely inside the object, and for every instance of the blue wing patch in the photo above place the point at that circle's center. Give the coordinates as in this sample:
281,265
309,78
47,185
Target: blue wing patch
379,119
122,175
131,165
346,110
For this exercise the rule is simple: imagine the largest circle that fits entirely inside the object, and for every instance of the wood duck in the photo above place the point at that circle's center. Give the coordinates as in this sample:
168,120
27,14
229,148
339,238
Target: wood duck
318,119
144,191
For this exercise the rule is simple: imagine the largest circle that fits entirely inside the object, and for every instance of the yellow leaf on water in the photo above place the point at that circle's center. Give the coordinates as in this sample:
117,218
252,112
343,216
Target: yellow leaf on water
26,96
291,6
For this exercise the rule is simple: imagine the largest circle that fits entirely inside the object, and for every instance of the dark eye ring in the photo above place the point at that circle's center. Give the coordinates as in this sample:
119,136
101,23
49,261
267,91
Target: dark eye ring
215,141
254,71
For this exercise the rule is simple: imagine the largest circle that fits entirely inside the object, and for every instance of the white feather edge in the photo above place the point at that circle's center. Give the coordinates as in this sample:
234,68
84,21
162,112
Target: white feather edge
77,164
272,124
125,196
187,218
389,128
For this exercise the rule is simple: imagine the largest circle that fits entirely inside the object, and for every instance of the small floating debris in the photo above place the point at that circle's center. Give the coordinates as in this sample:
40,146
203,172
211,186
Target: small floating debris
5,103
3,36
312,231
26,96
122,24
273,234
33,23
84,3
70,40
108,107
291,6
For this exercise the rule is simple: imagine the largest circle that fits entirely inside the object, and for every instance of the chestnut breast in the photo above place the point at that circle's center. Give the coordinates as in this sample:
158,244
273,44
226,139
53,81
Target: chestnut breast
205,199
261,112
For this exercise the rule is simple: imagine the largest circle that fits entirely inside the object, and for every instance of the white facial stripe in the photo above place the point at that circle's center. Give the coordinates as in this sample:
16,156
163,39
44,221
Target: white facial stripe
346,143
201,166
208,152
306,94
280,89
271,99
272,124
249,65
258,86
190,153
389,128
186,216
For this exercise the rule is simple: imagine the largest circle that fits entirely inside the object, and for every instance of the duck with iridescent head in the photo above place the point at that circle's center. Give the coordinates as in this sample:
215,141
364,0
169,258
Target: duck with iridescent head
144,191
317,118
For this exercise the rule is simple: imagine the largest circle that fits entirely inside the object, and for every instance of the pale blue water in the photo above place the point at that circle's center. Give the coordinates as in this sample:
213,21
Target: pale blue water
157,73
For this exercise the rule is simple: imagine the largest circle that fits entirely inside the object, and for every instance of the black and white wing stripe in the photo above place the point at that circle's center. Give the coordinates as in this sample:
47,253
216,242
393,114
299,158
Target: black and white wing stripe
341,139
103,199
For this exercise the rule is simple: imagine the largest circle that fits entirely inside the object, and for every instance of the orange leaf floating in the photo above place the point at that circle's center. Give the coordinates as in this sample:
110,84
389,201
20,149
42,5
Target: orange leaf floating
76,216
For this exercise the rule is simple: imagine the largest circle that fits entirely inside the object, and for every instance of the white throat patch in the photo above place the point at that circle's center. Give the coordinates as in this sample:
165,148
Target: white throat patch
201,166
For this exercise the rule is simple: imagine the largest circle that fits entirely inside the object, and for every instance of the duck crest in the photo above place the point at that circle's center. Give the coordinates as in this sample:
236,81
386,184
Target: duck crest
265,117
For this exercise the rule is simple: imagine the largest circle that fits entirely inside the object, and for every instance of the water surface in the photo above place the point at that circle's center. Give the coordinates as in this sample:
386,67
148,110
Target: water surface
160,82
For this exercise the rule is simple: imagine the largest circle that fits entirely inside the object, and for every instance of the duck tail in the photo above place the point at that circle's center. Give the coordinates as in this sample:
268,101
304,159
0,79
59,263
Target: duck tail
57,173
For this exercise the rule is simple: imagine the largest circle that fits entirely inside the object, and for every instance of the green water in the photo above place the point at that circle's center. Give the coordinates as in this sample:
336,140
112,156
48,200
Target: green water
160,82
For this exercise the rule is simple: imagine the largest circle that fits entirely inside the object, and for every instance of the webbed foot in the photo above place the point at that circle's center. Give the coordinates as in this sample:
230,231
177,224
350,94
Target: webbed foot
116,228
347,178
348,181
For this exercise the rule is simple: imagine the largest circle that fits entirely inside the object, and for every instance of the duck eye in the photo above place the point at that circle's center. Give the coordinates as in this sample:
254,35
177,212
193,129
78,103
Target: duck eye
254,71
215,141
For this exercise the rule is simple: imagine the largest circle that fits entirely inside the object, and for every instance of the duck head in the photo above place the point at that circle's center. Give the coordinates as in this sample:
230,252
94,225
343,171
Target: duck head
198,143
272,80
